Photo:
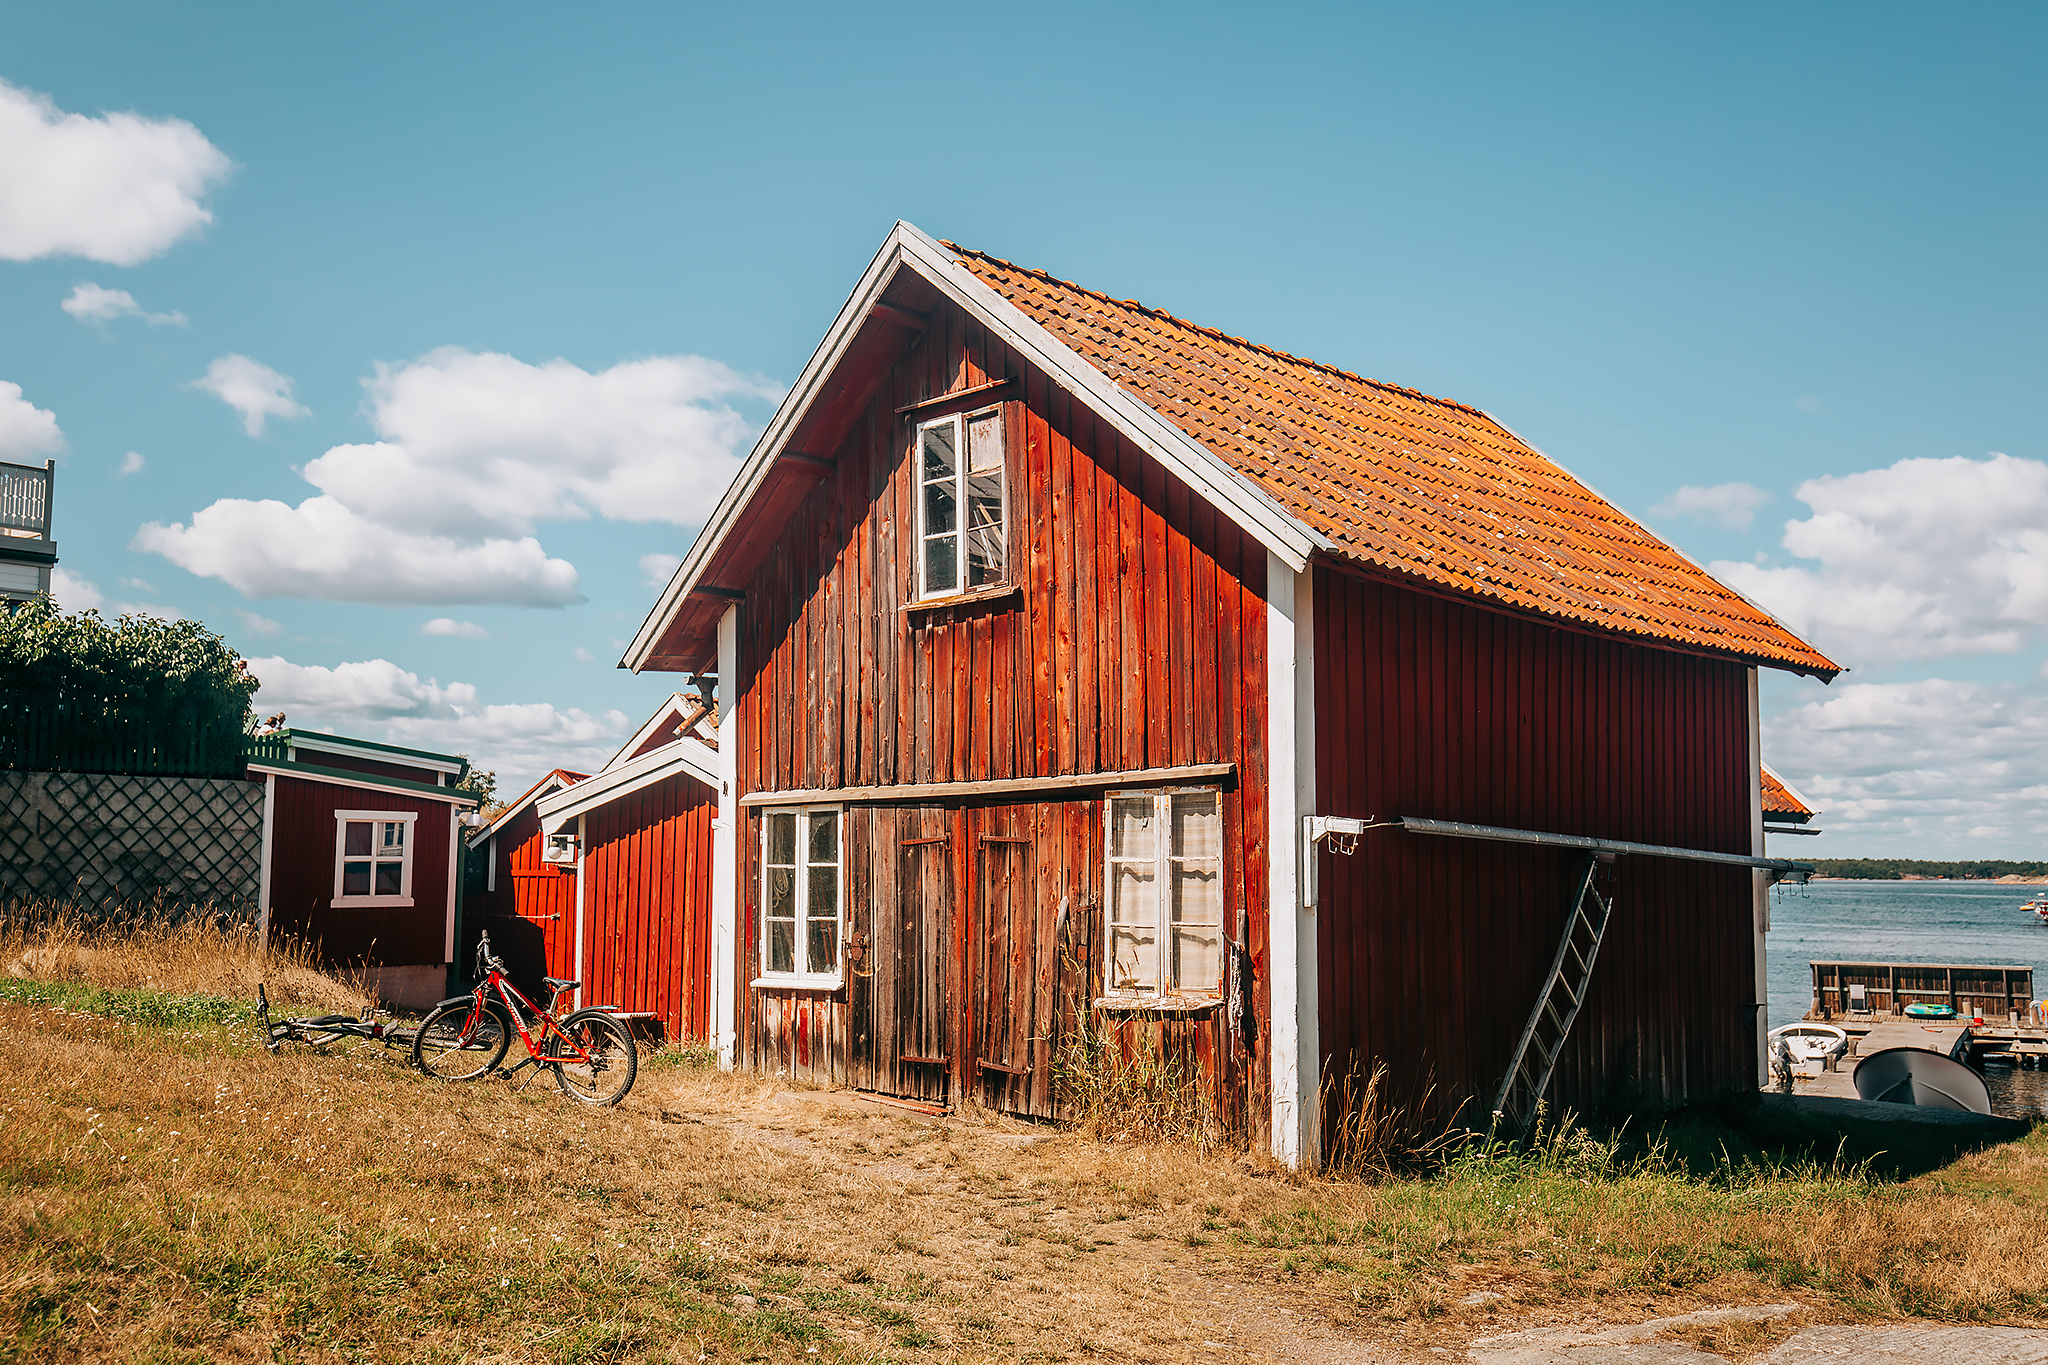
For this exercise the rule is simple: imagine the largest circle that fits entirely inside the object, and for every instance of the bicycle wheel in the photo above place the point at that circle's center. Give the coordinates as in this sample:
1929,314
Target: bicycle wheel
458,1042
614,1061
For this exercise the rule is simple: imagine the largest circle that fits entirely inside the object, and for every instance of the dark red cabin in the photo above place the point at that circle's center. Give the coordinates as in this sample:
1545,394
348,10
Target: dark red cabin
1050,631
360,858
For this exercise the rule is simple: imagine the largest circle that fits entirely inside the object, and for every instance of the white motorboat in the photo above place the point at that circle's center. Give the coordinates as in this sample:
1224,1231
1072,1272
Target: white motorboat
1807,1046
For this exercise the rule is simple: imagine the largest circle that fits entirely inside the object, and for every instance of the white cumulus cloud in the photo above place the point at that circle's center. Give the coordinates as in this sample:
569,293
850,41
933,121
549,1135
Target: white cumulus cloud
250,388
73,593
90,303
323,549
26,431
657,569
1931,768
131,463
486,444
458,630
484,447
119,188
376,699
1732,505
1923,559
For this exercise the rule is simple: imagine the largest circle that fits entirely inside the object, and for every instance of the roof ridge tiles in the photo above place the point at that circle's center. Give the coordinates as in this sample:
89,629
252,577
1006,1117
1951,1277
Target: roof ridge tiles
1179,321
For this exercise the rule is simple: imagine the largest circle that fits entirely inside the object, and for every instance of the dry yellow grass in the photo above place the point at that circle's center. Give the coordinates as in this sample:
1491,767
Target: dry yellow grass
175,1193
195,957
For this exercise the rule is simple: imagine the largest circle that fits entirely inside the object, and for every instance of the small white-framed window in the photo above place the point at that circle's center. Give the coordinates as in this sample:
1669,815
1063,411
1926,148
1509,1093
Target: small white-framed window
802,897
373,857
1164,851
962,504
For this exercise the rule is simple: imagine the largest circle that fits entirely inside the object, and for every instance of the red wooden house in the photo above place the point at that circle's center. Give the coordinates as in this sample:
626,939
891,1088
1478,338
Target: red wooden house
1044,624
633,892
360,857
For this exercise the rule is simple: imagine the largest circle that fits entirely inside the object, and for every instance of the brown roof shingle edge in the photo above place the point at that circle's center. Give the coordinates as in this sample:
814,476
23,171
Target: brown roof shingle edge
1780,800
1432,500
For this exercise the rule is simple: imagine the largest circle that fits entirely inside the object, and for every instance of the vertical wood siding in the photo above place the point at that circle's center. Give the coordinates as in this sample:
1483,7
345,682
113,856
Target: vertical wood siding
302,879
647,905
1136,639
531,916
1432,950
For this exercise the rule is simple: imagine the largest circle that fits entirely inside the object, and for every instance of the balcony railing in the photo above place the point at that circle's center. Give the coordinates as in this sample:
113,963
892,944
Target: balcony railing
25,498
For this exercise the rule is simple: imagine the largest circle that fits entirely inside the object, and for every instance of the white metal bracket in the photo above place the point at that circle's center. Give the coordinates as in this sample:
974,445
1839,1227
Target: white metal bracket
1342,834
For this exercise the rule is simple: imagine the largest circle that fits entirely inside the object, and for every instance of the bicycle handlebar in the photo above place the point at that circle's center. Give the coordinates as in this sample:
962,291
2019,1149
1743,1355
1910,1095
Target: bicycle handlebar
486,960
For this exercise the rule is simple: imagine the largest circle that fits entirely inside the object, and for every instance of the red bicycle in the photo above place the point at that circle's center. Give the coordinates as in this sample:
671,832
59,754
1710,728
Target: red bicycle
591,1052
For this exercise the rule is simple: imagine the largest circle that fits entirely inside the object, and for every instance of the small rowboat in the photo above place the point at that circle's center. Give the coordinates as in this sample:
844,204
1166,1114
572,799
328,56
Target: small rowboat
1924,1011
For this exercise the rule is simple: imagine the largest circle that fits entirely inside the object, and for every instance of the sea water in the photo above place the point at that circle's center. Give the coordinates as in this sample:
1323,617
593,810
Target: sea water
1958,922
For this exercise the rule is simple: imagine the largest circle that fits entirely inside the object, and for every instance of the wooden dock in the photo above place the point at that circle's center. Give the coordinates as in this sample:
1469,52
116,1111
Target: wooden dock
1877,990
2023,1045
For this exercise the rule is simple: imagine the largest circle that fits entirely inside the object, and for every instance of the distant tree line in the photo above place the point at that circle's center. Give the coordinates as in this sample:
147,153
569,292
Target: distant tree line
1897,869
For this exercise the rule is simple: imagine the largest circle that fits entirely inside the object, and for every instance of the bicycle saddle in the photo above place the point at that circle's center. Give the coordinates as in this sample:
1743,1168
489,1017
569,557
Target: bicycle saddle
555,983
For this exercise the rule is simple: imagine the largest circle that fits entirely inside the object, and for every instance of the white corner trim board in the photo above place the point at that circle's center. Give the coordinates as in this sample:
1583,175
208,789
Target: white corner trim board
1294,1047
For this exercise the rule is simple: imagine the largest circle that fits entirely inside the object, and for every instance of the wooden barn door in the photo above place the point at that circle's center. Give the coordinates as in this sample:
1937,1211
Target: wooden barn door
1003,952
903,1043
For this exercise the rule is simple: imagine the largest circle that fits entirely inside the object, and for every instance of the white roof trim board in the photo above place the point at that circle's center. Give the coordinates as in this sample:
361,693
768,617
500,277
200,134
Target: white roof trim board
401,758
1189,460
368,782
679,705
690,756
545,787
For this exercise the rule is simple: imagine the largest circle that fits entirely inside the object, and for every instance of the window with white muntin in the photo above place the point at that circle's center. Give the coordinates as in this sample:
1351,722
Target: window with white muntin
373,857
801,902
962,515
1165,879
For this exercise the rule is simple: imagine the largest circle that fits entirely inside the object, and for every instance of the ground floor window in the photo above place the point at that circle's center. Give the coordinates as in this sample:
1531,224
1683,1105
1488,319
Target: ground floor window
373,857
801,901
1165,879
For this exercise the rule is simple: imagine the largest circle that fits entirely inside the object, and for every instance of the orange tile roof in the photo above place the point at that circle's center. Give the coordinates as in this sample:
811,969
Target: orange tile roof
1779,800
1403,481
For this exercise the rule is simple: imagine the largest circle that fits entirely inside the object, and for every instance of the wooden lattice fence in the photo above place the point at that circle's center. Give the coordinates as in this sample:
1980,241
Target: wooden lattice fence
107,844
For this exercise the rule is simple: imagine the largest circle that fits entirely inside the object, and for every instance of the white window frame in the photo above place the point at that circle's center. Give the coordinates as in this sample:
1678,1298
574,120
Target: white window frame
805,976
958,421
1162,931
342,819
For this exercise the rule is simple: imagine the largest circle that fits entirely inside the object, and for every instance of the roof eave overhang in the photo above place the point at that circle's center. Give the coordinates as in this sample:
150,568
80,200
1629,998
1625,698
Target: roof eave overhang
1415,582
1285,535
685,756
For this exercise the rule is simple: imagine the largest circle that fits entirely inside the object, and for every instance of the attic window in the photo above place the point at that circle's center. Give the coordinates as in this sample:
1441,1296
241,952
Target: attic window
962,522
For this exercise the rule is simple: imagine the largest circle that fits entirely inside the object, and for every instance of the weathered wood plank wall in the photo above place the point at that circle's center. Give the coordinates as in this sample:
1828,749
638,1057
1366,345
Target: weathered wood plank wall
1134,639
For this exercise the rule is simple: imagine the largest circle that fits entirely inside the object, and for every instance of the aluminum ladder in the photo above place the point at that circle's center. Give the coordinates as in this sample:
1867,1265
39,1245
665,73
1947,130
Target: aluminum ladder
1557,1005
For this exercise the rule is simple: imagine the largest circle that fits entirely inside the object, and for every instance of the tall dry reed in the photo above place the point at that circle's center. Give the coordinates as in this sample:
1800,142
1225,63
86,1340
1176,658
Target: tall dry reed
176,954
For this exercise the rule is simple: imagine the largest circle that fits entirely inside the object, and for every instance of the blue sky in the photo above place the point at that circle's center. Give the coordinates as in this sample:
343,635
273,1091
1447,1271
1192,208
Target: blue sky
560,265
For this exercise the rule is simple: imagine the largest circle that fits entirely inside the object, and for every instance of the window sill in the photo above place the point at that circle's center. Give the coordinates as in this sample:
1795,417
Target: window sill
797,983
1158,1004
980,597
370,902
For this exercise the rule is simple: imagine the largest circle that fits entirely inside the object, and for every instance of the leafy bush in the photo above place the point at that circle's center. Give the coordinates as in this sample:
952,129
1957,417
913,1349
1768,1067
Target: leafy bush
141,695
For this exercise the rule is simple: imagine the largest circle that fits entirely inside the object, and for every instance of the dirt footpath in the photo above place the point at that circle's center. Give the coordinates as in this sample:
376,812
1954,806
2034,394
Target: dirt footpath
1048,1245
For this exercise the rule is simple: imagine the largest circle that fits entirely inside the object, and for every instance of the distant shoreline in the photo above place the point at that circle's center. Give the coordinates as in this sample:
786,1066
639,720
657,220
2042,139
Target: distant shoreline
1942,881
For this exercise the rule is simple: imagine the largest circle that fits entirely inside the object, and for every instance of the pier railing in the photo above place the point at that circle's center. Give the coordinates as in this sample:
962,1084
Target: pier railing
1996,990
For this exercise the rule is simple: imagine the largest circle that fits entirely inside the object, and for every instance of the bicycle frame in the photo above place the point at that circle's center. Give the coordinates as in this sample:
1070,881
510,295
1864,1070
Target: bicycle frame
544,1018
